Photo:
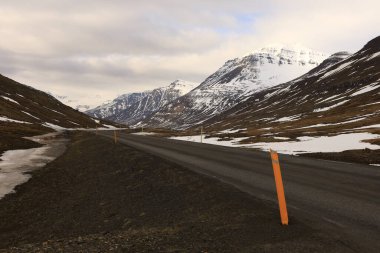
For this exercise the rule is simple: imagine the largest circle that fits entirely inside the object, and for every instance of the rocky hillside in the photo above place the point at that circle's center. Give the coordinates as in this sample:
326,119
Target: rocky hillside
234,82
134,107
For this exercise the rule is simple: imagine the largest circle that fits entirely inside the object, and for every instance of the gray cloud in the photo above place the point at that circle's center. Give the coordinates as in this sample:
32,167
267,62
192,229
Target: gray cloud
113,47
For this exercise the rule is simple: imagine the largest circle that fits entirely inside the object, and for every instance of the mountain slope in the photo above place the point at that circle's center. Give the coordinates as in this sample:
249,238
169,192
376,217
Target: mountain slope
235,81
132,108
340,96
25,111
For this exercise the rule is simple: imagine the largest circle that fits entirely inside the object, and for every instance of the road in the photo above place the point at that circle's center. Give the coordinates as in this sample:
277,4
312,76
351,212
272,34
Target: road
342,198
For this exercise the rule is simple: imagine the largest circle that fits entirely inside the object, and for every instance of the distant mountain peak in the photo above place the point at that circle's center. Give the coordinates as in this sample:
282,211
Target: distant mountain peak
183,86
290,54
131,108
278,48
259,69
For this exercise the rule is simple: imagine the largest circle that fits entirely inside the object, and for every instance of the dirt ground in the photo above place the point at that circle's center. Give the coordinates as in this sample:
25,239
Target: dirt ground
365,156
102,197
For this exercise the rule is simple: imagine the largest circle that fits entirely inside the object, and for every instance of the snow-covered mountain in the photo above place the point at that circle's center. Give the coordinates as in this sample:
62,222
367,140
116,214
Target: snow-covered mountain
133,107
341,96
116,106
234,82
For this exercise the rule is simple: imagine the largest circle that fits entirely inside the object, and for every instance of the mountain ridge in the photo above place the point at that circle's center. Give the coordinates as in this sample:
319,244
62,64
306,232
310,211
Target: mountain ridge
234,82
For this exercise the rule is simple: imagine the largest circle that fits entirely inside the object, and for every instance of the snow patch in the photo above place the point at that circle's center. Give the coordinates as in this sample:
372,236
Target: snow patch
6,119
338,69
307,144
374,56
330,107
369,88
370,126
286,119
15,163
30,115
281,138
74,123
330,98
9,99
370,104
55,127
144,133
334,124
230,131
212,140
110,127
54,111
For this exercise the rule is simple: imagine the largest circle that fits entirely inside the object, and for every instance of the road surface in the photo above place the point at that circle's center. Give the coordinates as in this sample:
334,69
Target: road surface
342,198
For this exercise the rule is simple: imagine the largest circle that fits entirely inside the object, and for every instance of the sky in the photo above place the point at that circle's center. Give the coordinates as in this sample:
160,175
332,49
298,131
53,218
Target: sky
97,49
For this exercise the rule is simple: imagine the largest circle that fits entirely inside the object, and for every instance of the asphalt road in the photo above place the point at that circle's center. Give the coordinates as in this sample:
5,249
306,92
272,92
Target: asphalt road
342,198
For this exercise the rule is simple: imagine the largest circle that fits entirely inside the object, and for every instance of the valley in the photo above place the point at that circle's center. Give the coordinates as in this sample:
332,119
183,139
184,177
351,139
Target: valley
185,167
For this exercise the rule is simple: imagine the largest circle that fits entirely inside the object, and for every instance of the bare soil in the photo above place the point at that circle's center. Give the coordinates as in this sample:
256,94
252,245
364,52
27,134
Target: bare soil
365,156
105,197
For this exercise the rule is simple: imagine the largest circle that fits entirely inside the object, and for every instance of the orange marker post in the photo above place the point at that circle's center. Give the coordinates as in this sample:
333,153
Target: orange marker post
114,135
279,187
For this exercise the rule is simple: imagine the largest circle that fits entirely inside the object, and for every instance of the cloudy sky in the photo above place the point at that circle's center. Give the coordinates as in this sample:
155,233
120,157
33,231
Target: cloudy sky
103,48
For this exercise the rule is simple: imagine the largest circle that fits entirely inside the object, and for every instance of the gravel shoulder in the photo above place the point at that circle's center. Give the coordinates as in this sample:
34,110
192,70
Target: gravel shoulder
105,197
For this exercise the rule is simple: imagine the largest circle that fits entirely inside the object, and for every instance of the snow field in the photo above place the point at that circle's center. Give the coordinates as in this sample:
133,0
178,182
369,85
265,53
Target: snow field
304,144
